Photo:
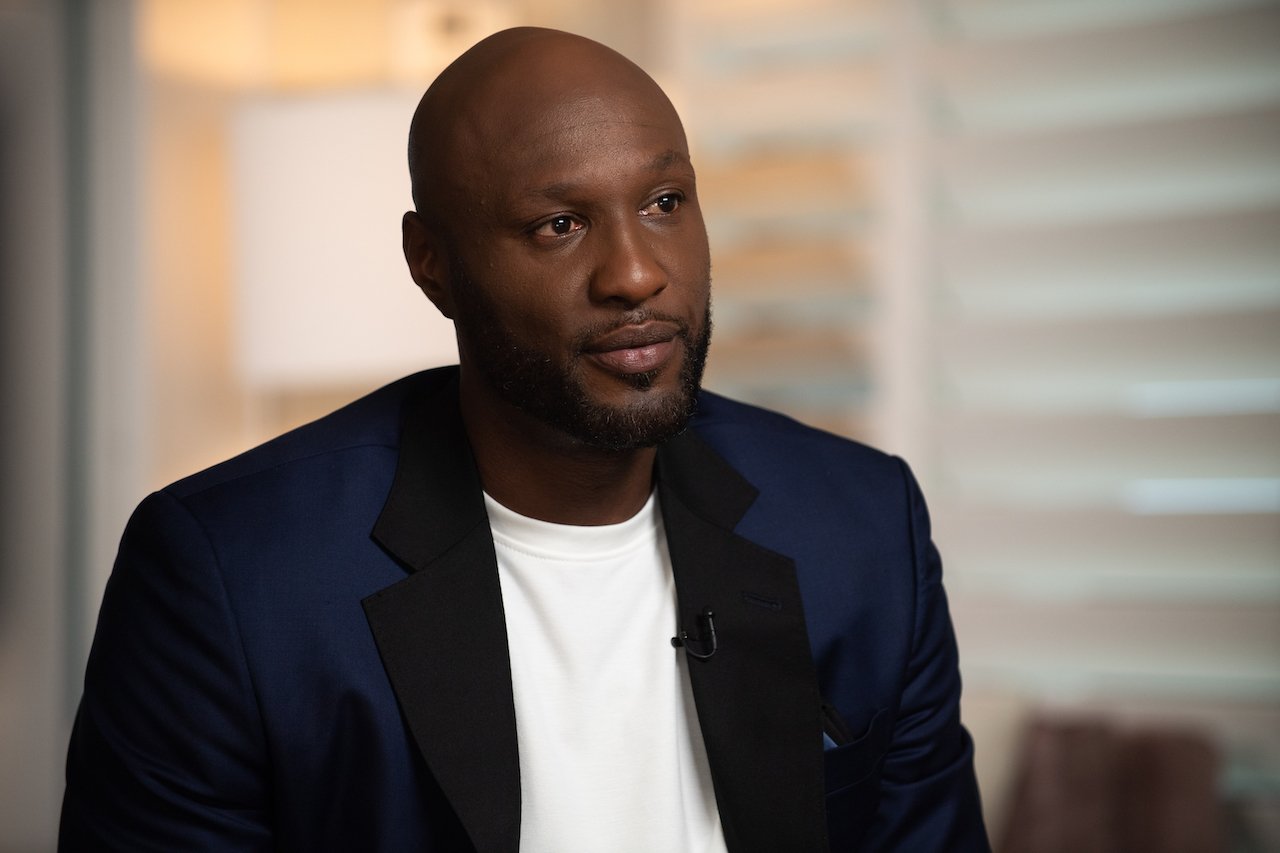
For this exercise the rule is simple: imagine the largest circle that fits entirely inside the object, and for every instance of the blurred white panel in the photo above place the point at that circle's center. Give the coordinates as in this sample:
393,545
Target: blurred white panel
784,36
1011,18
1118,101
1102,556
323,295
1186,66
1214,397
1188,166
837,102
1192,650
1170,265
1204,495
1097,366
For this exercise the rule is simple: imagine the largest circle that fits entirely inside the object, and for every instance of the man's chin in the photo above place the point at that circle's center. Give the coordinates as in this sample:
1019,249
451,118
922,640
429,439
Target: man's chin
640,418
610,388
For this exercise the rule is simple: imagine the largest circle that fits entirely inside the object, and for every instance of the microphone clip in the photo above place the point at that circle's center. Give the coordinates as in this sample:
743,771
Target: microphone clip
704,646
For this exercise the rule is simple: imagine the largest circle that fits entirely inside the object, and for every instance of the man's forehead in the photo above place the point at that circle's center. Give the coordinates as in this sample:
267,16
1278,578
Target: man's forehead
557,135
568,181
570,118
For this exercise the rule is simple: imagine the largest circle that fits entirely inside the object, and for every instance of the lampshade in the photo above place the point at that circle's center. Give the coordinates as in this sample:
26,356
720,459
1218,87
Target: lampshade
323,297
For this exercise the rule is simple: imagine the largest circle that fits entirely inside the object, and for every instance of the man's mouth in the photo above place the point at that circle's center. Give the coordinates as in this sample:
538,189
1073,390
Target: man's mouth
641,348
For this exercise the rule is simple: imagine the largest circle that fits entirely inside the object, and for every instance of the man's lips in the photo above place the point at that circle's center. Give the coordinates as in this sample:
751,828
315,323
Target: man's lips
635,349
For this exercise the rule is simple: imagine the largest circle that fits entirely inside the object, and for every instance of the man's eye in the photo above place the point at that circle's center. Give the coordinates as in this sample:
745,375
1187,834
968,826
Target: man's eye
666,203
557,227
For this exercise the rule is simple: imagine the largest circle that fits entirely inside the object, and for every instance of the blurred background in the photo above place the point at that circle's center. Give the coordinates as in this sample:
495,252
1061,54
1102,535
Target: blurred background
1031,245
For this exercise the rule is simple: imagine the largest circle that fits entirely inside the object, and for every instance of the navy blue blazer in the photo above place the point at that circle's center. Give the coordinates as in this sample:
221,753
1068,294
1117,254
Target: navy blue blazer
303,648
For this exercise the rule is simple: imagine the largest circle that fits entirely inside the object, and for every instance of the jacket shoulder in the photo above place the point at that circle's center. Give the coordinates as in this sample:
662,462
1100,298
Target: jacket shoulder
837,507
766,447
373,421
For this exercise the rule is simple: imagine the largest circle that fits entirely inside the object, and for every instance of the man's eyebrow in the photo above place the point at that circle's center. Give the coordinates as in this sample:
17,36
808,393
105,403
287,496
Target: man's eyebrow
560,189
667,159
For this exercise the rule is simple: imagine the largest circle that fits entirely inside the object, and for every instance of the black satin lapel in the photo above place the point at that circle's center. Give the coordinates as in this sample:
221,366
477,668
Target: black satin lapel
435,498
757,697
443,641
441,631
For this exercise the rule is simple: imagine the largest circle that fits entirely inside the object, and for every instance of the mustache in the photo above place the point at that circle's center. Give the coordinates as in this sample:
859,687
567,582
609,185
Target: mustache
634,317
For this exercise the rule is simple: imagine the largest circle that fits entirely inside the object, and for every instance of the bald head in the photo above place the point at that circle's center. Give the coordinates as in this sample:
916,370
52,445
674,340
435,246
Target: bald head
505,90
558,226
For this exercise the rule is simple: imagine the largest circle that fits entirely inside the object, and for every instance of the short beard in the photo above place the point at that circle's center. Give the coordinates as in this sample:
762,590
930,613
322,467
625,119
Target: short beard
531,381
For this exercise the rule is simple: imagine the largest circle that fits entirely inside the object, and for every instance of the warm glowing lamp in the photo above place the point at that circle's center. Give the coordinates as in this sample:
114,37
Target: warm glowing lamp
323,298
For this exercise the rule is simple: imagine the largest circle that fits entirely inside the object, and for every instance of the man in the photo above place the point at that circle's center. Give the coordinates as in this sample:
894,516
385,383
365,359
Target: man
442,618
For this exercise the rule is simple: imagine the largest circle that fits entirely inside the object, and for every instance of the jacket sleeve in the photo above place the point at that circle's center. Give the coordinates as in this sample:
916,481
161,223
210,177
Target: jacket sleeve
928,792
167,751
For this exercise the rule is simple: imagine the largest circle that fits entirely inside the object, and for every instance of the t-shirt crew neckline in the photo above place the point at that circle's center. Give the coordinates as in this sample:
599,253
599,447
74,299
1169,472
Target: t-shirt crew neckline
570,543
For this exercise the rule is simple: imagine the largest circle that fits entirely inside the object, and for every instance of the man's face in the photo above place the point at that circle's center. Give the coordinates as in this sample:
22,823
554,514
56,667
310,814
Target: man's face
580,271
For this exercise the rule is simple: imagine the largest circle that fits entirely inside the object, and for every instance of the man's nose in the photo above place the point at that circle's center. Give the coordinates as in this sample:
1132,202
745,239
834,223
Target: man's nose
630,269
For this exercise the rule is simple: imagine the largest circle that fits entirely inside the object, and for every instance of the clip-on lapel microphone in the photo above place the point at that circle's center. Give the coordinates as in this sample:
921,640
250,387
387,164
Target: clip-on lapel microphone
704,646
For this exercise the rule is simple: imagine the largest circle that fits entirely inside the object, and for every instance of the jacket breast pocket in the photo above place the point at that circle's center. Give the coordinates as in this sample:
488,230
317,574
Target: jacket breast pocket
853,783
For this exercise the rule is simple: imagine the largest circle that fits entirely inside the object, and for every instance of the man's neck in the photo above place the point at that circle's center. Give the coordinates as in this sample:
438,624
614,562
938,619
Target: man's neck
539,472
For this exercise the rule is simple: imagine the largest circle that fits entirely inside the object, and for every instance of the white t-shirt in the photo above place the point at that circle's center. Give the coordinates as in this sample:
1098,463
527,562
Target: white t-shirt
611,756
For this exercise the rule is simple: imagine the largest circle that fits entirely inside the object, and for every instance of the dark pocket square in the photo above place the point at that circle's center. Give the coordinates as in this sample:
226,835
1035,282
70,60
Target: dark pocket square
851,762
853,789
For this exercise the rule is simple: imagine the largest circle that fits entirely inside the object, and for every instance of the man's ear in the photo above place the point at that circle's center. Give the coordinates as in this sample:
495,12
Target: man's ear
427,263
